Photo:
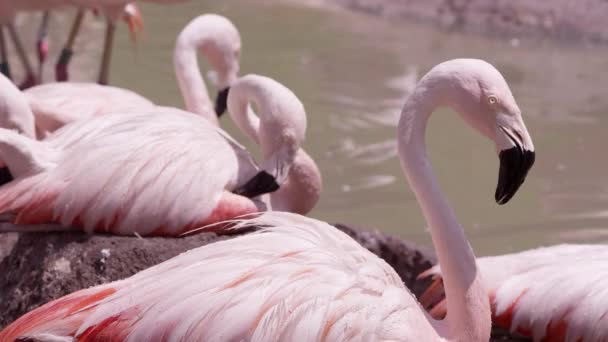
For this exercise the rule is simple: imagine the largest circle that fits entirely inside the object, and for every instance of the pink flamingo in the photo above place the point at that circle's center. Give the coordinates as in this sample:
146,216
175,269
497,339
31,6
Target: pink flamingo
300,279
549,294
165,171
54,105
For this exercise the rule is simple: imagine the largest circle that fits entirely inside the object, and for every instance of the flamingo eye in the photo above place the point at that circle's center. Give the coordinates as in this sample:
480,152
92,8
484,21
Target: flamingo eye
492,99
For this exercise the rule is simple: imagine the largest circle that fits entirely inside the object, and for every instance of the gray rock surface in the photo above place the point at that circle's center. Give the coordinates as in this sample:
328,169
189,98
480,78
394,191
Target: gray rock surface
45,266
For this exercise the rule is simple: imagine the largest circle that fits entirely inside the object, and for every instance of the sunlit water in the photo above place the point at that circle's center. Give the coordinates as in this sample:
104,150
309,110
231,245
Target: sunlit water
353,73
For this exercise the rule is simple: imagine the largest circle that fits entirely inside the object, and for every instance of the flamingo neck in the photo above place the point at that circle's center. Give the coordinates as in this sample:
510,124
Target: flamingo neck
190,81
302,187
278,132
468,310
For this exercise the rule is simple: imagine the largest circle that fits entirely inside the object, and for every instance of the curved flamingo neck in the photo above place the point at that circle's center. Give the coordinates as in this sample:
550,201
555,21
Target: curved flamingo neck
468,317
278,131
191,83
246,119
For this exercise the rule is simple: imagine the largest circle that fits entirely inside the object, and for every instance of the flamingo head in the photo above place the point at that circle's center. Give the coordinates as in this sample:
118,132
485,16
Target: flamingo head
480,94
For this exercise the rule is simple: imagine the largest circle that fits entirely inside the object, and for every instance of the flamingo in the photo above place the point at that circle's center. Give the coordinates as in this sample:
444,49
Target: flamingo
552,293
162,171
300,279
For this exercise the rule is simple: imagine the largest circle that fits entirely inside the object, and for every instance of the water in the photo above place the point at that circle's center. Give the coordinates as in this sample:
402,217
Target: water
353,73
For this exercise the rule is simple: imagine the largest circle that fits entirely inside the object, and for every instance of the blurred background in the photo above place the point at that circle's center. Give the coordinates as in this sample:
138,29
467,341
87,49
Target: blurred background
353,71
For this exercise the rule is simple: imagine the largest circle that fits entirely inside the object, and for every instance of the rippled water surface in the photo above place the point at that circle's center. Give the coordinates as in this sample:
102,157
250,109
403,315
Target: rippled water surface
353,72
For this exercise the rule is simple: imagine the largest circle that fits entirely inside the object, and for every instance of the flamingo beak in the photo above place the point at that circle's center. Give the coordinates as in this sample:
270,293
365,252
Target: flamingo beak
132,16
5,175
261,183
221,101
515,162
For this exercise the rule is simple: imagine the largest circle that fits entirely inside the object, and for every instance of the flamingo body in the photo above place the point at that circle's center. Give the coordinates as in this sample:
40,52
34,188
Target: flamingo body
299,279
57,104
160,172
550,294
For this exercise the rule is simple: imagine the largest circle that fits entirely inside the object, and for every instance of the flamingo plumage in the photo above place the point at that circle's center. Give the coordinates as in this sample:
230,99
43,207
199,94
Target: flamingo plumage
300,279
549,294
54,105
160,171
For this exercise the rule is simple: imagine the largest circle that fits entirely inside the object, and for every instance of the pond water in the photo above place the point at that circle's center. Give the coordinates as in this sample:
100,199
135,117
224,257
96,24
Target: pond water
353,73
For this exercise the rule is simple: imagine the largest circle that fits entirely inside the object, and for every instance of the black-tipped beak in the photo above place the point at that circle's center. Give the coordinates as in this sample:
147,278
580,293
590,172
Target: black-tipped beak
221,101
514,166
5,175
260,184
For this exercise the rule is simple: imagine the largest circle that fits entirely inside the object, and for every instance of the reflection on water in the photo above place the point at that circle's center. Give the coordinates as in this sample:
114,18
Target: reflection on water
354,72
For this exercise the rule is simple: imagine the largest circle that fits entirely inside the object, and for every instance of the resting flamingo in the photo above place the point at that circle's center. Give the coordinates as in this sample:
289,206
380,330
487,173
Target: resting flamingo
300,279
162,171
553,293
9,8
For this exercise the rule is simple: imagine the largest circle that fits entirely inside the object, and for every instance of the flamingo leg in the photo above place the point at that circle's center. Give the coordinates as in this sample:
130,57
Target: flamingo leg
104,71
4,67
42,43
61,68
30,78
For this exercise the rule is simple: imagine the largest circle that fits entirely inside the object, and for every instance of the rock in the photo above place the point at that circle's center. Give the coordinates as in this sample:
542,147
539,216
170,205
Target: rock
45,266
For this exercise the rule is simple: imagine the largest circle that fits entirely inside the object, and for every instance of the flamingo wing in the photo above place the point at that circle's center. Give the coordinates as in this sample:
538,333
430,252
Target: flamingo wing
297,279
160,172
550,294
